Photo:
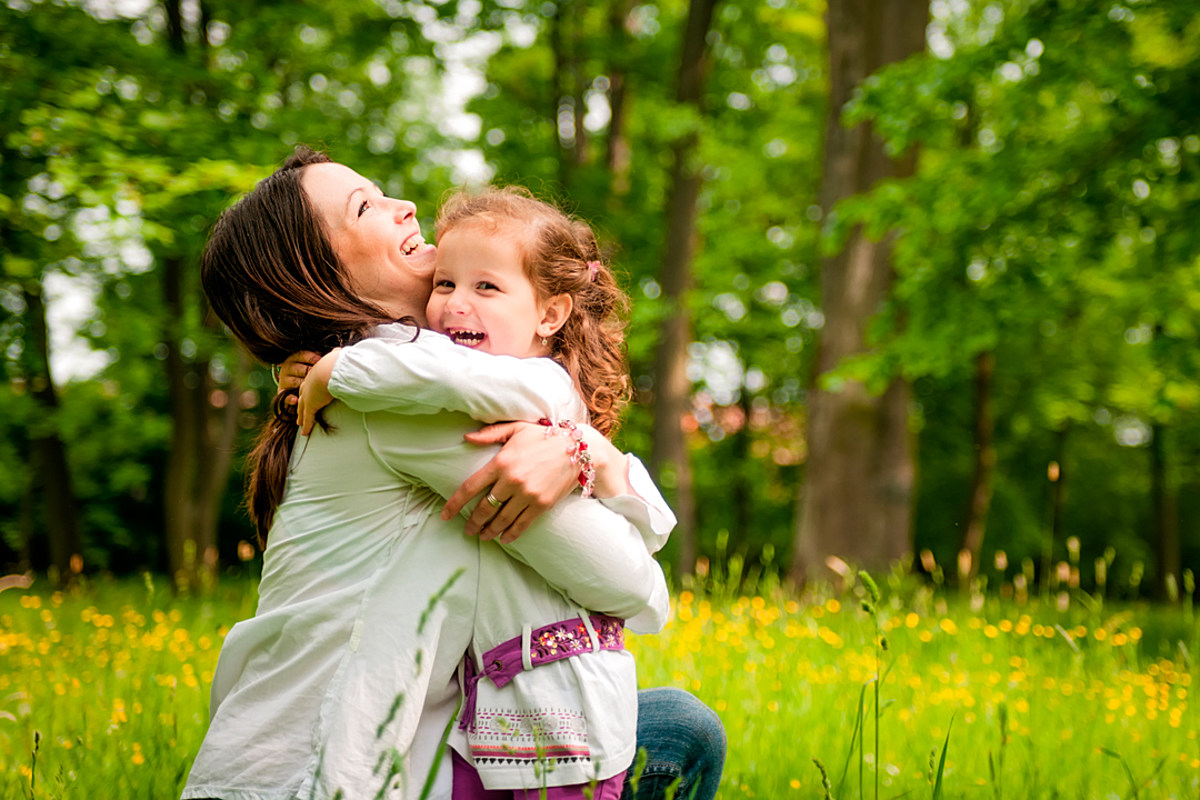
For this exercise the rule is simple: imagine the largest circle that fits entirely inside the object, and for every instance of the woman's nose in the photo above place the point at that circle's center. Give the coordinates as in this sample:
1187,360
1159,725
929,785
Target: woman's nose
404,210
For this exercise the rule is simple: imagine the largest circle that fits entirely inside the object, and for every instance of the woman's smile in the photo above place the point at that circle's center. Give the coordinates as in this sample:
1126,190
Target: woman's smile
377,238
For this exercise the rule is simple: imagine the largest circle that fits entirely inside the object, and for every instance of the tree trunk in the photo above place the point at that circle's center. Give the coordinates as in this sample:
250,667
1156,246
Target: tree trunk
578,89
563,89
672,396
190,517
857,501
222,436
201,449
175,26
47,452
985,465
1166,519
618,154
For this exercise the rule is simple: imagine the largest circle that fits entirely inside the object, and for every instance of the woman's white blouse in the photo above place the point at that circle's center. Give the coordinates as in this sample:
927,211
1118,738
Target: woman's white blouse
344,680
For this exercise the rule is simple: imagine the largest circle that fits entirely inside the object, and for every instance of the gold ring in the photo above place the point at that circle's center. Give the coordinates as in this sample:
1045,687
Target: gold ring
491,498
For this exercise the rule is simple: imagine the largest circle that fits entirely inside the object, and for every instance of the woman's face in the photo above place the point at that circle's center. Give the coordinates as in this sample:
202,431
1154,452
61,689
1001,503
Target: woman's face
377,238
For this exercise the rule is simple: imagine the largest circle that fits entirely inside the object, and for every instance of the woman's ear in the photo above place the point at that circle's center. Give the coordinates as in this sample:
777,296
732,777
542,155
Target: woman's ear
554,314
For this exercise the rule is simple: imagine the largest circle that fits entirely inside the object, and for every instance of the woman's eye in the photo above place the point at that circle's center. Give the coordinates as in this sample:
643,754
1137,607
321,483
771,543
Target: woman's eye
362,209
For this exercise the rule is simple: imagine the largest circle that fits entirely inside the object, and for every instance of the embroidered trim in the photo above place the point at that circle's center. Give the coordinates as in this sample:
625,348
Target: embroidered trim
547,644
505,736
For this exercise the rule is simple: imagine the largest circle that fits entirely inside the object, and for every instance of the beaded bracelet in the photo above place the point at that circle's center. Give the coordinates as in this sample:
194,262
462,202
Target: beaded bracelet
578,451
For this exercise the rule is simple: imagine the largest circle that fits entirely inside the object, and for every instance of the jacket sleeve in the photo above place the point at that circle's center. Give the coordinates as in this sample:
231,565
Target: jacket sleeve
430,373
588,552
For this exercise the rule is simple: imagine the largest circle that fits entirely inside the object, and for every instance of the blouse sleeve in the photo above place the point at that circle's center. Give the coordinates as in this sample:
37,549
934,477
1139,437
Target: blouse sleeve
590,553
394,372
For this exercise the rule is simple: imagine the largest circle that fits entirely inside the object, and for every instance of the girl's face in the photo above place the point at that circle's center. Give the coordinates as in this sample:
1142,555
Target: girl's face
482,298
377,238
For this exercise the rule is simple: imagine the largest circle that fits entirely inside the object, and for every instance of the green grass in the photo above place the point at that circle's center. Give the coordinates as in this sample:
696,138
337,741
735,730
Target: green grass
1087,700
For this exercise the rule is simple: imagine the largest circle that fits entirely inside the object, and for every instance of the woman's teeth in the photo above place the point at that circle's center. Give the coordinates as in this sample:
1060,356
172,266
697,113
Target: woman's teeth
412,244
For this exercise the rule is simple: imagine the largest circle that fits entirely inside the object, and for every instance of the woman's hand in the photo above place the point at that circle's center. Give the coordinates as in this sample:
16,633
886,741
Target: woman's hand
531,473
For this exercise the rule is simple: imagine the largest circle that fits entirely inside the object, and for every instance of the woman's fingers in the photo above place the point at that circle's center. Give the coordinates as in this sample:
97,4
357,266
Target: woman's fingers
530,473
509,521
481,479
518,526
494,513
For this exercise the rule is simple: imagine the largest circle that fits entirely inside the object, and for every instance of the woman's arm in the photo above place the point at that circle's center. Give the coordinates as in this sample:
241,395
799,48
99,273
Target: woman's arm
622,484
590,553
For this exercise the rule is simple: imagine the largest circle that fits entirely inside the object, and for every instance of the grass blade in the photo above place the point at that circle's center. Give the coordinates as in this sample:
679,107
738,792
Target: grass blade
937,786
862,696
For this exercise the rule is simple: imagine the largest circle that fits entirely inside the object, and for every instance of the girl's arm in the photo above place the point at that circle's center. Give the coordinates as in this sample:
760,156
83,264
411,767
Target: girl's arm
394,372
590,553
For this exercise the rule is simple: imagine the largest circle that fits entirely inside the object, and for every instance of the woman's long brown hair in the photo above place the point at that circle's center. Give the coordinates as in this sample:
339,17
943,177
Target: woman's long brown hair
272,276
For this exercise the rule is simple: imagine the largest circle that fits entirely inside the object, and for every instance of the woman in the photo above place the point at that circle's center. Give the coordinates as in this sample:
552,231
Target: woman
351,656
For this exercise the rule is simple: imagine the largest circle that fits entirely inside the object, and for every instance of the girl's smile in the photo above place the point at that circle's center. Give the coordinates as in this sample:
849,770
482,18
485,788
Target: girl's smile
483,299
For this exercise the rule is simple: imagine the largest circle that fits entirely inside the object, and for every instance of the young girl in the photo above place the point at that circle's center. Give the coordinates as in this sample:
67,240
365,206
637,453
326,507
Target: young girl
549,691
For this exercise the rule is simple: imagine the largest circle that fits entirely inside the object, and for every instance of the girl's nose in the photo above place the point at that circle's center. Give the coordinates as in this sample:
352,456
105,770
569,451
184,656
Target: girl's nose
456,304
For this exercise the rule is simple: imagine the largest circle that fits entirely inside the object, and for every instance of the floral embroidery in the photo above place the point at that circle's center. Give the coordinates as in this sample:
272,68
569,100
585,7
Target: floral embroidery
564,639
547,644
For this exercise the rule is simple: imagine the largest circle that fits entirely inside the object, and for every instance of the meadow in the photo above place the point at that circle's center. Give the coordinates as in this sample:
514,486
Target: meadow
104,689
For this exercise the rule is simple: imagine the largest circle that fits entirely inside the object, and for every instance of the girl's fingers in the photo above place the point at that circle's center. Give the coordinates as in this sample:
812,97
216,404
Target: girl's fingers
297,365
498,433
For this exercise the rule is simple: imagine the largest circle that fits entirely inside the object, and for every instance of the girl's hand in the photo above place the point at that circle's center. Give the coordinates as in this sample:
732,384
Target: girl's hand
314,391
530,473
292,371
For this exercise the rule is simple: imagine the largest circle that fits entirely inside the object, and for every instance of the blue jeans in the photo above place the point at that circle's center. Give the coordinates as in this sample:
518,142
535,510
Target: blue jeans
684,740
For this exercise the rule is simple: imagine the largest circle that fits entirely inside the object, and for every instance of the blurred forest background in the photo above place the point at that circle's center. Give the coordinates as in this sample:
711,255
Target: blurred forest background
907,278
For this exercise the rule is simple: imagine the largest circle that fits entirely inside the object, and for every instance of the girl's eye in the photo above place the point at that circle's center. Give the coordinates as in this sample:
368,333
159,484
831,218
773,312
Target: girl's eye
485,285
362,209
443,284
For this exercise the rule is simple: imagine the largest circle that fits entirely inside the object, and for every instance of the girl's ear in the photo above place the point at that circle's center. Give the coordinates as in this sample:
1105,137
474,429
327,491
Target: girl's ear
554,314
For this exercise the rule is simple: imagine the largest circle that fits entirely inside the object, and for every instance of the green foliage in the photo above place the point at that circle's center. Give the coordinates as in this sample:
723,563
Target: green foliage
1050,224
119,146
